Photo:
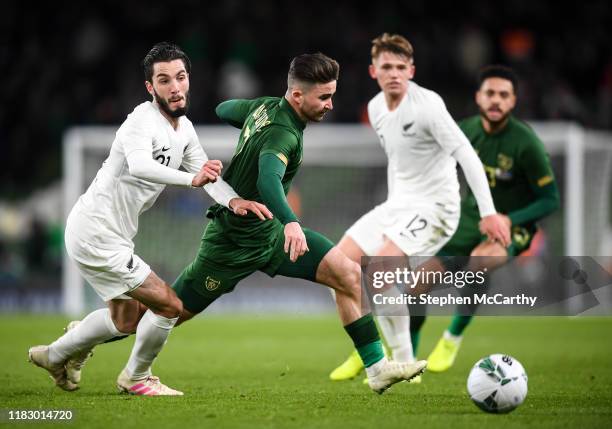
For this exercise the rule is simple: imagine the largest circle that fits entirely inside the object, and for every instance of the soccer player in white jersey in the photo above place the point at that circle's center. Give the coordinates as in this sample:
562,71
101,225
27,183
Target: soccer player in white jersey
149,147
423,145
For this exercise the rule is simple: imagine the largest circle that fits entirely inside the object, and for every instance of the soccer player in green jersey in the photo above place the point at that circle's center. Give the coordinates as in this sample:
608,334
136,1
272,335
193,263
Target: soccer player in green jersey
522,185
267,158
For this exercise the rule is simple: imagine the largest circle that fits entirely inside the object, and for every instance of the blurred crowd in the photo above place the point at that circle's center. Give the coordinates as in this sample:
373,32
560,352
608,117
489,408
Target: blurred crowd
72,63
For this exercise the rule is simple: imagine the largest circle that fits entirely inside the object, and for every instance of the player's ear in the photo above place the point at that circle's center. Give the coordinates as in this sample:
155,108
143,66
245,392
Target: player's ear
513,101
149,87
412,71
297,94
372,71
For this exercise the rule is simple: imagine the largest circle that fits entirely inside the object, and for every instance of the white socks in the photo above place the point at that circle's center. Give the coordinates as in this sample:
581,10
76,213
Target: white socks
396,330
151,335
94,329
455,338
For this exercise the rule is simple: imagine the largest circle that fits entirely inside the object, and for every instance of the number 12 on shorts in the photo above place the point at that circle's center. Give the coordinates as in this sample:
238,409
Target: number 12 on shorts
417,223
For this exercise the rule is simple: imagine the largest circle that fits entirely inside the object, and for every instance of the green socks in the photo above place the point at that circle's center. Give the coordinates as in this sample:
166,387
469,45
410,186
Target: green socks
458,324
365,336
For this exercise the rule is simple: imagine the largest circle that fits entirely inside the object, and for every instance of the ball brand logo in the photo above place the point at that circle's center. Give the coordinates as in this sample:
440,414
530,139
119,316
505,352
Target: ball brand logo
212,284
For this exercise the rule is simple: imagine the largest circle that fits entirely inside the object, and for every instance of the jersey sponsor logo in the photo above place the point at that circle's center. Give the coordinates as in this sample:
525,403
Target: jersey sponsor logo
504,162
502,172
406,128
212,284
164,149
260,116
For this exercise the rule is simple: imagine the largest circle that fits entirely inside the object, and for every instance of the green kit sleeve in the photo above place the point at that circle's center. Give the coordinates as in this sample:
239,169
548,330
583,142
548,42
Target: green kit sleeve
536,166
234,112
270,187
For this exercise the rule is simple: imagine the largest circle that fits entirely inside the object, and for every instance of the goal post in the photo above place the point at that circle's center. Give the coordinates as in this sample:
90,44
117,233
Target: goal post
343,176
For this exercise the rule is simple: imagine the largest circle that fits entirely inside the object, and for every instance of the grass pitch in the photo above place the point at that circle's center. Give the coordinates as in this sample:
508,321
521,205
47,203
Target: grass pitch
271,372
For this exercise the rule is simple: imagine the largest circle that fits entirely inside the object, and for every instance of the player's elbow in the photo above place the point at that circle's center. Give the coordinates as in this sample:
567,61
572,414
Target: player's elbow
219,110
222,110
137,170
554,202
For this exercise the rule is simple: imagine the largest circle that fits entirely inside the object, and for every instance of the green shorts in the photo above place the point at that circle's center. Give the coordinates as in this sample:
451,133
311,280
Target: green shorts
220,264
468,236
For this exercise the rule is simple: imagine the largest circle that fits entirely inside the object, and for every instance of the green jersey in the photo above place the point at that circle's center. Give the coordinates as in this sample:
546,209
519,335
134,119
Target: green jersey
269,125
518,169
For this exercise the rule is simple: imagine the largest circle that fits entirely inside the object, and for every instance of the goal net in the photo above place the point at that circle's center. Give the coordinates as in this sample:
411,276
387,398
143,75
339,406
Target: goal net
343,176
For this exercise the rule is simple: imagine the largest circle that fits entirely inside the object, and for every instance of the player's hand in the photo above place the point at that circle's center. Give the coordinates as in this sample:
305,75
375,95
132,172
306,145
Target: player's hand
242,207
295,241
497,228
208,173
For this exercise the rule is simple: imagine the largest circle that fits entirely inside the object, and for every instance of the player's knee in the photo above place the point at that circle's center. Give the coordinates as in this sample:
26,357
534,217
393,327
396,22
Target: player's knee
349,278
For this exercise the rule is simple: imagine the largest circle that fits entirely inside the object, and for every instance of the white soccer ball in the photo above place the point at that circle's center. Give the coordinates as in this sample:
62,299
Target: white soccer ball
497,383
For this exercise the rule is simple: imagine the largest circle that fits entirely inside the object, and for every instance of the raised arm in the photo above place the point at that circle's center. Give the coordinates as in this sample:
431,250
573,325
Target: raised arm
235,112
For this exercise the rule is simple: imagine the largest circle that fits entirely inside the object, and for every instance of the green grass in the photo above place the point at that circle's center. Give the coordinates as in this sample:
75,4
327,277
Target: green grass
271,372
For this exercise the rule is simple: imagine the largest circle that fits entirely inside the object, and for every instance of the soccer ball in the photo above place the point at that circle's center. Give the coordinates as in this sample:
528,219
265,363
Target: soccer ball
497,383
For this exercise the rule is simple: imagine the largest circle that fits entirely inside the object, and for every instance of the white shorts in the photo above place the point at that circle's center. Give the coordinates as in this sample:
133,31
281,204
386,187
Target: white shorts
418,230
111,269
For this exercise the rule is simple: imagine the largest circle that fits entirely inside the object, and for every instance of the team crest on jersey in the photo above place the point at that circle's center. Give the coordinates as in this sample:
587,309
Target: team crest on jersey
212,284
504,162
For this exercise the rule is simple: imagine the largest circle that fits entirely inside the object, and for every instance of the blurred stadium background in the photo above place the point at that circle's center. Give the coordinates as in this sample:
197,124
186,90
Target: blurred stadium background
69,67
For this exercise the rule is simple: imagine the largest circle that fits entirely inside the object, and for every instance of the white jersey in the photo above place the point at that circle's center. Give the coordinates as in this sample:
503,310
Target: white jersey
110,207
418,137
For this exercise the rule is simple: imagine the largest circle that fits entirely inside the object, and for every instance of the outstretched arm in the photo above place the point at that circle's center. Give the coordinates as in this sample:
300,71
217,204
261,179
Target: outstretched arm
234,112
142,166
195,159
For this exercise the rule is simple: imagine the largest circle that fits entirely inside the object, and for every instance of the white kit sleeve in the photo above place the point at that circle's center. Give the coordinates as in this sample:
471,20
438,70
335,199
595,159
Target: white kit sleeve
443,127
449,136
193,160
142,166
136,137
476,178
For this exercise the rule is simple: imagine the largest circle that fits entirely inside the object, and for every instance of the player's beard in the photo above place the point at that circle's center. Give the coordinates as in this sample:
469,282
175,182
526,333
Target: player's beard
163,104
496,122
315,116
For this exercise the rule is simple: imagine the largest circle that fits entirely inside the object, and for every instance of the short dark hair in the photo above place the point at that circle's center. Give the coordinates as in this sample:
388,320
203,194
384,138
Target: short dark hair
312,69
497,70
163,52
